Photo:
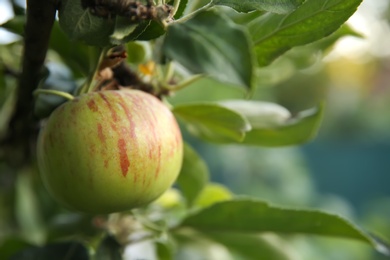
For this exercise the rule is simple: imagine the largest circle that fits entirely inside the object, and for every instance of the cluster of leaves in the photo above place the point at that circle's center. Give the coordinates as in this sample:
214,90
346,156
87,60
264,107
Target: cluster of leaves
231,42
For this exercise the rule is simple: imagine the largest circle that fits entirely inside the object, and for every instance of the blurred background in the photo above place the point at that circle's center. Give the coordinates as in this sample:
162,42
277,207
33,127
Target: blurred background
345,170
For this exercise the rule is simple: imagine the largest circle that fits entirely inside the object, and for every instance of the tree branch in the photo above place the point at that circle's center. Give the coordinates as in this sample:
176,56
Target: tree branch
23,126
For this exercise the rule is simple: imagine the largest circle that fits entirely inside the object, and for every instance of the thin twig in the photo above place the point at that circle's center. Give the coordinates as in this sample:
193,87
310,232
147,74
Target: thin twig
53,92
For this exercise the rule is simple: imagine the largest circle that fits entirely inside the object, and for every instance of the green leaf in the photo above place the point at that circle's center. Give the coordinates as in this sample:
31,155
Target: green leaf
212,44
305,56
213,193
7,104
329,41
195,246
249,123
12,245
260,114
180,10
136,53
73,53
70,250
297,130
244,18
275,34
163,251
254,216
80,24
68,224
272,125
248,246
213,122
193,176
206,90
108,249
27,209
15,25
123,31
147,31
18,8
280,6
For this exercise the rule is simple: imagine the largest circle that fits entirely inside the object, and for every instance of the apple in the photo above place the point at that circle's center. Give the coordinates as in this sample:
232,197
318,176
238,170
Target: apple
109,151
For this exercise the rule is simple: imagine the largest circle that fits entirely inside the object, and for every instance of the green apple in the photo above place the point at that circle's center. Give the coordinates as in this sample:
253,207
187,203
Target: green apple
110,151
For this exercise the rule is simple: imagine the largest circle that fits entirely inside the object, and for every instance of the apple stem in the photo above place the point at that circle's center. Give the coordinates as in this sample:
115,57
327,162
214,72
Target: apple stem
89,84
53,92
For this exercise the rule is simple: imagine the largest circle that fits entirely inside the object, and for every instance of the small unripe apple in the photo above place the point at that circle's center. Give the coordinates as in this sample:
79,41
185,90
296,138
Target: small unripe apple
110,151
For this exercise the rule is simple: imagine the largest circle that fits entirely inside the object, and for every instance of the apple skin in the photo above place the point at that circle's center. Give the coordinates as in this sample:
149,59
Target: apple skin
109,151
